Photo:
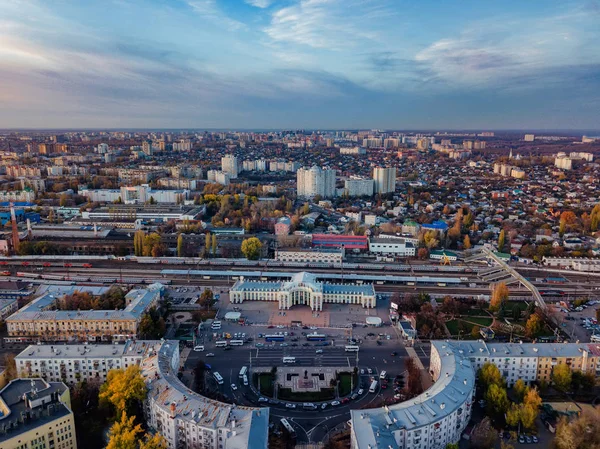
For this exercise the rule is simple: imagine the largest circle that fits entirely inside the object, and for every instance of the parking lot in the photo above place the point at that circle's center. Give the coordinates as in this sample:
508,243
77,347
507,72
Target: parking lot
575,324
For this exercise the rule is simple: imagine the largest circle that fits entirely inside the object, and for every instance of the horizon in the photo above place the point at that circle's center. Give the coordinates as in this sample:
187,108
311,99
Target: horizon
300,64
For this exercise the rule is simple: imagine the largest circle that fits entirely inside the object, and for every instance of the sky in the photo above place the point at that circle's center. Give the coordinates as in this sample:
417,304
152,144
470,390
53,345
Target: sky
318,64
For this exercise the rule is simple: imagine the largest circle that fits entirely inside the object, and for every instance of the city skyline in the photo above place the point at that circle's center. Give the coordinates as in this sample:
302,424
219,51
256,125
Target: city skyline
319,64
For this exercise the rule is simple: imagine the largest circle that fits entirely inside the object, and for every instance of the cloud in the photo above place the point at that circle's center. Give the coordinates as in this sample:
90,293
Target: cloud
259,3
328,24
210,10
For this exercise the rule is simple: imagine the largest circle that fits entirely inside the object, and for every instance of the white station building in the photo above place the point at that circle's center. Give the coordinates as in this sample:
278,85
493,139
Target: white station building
302,289
431,420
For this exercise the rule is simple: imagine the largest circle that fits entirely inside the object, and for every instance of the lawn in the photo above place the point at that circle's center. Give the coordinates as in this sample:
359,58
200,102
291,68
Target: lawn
286,394
345,386
455,326
481,321
265,383
452,326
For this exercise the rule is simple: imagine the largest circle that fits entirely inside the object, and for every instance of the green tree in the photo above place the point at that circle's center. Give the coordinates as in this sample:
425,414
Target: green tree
251,248
501,240
528,416
561,376
513,415
452,446
123,388
180,245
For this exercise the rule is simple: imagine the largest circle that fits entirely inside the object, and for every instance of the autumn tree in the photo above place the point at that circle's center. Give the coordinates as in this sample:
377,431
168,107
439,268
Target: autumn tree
214,245
520,389
251,248
10,367
430,238
501,240
123,388
561,376
180,245
489,374
500,294
483,435
138,243
582,432
125,434
534,325
513,415
467,242
423,254
497,400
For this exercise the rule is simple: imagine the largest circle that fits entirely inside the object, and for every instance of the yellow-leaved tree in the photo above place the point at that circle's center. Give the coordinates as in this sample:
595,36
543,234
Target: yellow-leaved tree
123,388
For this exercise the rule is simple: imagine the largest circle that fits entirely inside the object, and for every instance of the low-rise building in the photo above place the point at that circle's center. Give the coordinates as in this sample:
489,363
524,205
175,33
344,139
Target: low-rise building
398,247
302,289
325,255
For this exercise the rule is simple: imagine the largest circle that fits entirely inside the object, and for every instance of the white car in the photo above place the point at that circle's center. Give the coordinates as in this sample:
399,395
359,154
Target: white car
313,328
361,391
263,399
383,375
210,354
362,371
334,403
319,351
288,405
369,370
199,348
280,326
323,405
233,387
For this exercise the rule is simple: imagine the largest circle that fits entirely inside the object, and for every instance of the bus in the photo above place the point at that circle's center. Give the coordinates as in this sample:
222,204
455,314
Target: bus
373,387
243,372
274,338
595,338
218,378
236,342
289,360
316,337
289,429
216,325
220,344
352,348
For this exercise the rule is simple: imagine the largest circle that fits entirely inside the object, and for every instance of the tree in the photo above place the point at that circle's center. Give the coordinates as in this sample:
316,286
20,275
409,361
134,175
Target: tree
207,298
497,399
534,325
475,331
422,253
138,243
513,415
151,245
124,433
180,245
489,374
251,248
123,388
156,441
63,200
452,446
10,367
483,435
467,242
430,239
582,432
532,398
561,376
501,240
214,245
500,294
520,389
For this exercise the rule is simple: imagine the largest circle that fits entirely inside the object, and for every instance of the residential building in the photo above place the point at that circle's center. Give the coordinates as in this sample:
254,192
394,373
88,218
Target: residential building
529,137
315,181
35,414
431,420
385,179
349,242
353,150
372,142
37,321
229,165
358,187
564,162
282,227
302,289
218,176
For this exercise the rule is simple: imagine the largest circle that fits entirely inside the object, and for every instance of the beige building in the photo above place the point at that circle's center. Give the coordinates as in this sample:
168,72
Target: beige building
37,321
35,414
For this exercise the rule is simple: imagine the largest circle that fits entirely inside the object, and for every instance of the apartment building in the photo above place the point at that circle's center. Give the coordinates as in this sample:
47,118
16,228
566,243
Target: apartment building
385,179
229,165
35,414
72,363
315,181
307,255
37,321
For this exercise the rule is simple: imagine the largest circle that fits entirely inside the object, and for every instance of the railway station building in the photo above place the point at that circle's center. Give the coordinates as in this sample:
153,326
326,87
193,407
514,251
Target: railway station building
303,289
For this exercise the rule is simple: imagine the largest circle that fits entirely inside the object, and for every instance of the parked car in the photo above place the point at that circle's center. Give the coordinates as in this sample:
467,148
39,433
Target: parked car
233,387
324,406
289,405
334,403
210,354
360,391
261,399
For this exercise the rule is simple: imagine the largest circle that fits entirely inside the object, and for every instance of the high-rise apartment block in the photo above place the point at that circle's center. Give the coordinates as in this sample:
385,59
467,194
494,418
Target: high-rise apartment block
529,137
315,181
229,164
385,179
359,187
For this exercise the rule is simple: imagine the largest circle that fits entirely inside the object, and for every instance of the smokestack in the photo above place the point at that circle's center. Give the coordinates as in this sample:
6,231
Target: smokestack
15,231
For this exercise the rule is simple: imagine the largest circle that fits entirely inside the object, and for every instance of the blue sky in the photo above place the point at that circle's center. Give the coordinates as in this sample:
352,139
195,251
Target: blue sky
300,63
